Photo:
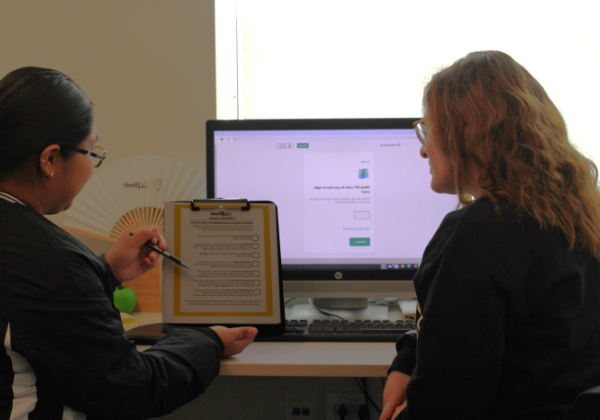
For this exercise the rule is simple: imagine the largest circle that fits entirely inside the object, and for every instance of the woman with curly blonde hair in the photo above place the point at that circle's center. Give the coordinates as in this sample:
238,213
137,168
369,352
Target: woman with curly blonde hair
509,286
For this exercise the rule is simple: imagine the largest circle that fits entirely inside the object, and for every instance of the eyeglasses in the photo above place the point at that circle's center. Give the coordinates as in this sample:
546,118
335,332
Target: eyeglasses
421,130
98,155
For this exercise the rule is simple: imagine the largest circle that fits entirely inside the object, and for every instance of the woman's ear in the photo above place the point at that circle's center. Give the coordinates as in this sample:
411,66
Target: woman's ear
48,160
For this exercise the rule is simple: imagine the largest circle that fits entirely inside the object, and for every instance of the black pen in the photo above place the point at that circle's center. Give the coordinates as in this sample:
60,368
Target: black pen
165,254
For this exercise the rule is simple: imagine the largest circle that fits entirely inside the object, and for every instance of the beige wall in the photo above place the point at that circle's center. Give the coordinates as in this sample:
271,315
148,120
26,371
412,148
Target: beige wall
148,65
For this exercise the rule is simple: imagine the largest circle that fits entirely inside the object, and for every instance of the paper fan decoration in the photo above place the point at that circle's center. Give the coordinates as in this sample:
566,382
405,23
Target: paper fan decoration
130,193
140,216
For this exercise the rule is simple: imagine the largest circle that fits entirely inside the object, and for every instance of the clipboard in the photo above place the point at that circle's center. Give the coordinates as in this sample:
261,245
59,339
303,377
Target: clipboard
235,277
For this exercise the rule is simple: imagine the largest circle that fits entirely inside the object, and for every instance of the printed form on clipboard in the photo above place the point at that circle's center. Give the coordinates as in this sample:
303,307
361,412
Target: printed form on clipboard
232,248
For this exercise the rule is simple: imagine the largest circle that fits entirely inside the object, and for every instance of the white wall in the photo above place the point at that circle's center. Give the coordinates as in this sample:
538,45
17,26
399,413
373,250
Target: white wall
360,59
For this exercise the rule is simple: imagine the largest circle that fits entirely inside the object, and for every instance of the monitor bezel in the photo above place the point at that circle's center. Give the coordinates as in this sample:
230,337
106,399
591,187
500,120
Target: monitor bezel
310,274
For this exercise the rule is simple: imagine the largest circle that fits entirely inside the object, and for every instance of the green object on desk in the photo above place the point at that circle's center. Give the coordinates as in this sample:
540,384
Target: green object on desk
124,299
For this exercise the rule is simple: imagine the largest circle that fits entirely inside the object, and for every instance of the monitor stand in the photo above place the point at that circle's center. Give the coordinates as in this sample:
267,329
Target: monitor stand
340,303
308,312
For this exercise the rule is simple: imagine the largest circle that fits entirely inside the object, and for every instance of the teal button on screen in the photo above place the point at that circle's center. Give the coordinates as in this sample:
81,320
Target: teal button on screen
302,145
360,241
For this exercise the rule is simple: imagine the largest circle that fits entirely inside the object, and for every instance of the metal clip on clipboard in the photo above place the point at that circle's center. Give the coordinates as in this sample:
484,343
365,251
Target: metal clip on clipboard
221,203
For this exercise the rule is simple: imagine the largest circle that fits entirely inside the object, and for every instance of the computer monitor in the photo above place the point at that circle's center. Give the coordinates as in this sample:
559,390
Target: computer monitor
354,201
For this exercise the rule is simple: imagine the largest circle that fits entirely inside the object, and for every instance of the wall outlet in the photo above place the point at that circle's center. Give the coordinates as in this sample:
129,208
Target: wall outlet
300,407
345,406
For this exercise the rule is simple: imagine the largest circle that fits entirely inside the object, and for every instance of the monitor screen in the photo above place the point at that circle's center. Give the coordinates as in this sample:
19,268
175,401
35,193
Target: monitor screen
355,207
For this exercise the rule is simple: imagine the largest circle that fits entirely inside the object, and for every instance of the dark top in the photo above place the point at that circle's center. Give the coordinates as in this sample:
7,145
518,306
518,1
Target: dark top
64,343
508,321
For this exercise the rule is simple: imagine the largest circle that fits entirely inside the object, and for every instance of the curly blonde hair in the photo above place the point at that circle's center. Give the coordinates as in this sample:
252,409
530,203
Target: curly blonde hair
491,117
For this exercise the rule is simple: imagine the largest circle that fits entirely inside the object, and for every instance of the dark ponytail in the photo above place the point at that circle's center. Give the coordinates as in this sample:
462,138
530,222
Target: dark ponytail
40,107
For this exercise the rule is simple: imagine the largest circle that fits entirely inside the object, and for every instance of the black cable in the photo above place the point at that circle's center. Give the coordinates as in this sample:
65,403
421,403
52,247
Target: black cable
288,301
367,398
363,391
363,388
322,311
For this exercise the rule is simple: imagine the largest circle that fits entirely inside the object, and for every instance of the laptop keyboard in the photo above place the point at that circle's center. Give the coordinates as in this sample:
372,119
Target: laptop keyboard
325,330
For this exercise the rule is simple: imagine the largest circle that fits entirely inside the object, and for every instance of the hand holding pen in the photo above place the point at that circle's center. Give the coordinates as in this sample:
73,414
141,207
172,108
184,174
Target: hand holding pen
165,253
127,258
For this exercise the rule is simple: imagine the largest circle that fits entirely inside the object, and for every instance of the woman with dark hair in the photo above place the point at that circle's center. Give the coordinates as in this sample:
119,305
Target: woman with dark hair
508,322
65,352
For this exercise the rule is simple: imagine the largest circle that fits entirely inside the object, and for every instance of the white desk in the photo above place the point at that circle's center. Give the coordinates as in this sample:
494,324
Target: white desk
312,359
300,359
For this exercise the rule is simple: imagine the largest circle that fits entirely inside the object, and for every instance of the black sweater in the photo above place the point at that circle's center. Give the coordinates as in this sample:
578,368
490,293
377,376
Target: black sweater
508,322
64,343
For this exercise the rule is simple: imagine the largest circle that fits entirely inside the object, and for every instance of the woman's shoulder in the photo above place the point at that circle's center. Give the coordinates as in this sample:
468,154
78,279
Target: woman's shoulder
484,224
497,231
22,221
29,236
16,217
479,211
474,216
